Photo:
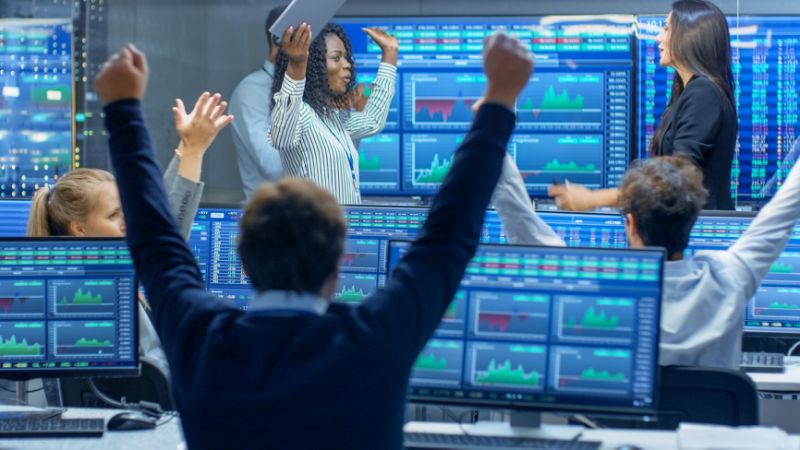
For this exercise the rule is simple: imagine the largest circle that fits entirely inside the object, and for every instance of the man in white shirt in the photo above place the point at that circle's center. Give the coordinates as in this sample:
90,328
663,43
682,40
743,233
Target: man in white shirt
251,104
705,295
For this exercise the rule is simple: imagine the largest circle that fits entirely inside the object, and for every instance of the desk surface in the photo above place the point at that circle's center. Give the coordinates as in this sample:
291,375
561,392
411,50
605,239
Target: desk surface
167,436
788,381
611,439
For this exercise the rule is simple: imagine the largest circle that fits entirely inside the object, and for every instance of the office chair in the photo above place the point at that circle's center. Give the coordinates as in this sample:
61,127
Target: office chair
700,395
151,385
705,395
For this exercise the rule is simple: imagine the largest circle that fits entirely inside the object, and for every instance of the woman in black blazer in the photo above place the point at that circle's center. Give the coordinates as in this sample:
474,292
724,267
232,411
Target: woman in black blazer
700,121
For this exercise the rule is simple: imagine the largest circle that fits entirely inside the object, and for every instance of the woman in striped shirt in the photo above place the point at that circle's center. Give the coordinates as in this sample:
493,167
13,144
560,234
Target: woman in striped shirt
313,126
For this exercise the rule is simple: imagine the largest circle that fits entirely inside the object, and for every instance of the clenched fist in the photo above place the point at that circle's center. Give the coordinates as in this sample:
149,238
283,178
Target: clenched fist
123,76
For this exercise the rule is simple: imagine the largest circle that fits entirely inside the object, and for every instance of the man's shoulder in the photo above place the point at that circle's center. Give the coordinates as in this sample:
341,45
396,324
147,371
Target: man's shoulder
258,80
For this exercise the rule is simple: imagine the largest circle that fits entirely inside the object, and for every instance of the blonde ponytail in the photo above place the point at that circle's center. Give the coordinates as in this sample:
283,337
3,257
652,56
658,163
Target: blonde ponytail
38,225
71,199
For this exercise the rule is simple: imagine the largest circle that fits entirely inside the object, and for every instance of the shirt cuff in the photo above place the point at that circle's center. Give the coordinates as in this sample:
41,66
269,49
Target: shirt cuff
386,70
292,88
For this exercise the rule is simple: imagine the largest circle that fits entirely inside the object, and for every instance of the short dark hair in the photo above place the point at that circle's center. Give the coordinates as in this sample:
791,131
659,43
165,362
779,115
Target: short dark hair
292,236
273,15
665,196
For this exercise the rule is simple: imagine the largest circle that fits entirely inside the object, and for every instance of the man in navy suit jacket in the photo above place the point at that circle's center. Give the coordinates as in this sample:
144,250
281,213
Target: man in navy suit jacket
295,370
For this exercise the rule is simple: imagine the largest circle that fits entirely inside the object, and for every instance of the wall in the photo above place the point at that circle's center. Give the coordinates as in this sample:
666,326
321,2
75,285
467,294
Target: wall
211,44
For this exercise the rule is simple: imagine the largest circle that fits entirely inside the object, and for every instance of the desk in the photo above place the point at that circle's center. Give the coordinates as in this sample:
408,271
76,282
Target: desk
168,436
611,439
779,401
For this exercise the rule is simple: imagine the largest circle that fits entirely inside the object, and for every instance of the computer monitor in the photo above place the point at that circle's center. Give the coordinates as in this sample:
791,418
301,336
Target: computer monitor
213,240
775,309
14,217
36,81
369,229
574,119
764,72
363,268
67,308
600,230
551,328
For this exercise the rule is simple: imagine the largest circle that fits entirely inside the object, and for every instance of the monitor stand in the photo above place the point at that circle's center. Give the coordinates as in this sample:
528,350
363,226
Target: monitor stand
21,409
521,424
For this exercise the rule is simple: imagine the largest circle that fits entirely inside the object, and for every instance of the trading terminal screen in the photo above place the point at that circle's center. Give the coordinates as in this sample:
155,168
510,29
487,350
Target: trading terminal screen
574,119
569,328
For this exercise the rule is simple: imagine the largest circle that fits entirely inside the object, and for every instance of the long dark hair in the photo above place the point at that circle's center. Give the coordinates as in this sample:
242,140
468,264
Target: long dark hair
701,43
318,94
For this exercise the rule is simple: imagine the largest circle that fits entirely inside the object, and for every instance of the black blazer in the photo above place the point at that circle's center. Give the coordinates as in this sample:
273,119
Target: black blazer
701,125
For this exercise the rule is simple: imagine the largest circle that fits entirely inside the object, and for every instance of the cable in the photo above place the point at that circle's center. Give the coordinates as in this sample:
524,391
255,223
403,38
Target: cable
170,415
26,392
145,407
587,422
793,348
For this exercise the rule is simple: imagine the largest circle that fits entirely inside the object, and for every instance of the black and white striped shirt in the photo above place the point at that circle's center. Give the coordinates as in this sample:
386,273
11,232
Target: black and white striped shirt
316,147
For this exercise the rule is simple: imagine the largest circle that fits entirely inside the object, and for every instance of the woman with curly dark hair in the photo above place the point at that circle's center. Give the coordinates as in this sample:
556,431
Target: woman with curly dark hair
313,126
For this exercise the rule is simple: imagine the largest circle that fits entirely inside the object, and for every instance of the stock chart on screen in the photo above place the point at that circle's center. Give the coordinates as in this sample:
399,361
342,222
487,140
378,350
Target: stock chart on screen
66,306
573,118
563,327
775,308
764,61
36,103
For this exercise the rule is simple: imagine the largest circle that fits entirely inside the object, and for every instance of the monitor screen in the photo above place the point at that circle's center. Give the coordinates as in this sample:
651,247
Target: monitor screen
369,228
363,268
547,328
776,306
36,81
67,307
597,230
576,104
766,79
213,241
14,217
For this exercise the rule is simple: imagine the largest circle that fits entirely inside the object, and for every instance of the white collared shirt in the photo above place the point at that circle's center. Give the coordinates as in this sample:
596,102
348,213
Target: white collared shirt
704,297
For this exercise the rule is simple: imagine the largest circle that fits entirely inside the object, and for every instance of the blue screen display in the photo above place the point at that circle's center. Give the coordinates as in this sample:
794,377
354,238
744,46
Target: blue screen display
35,104
67,306
766,92
14,217
573,119
568,328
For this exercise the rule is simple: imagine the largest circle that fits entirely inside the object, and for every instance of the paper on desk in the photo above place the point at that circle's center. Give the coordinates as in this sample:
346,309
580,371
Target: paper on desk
695,436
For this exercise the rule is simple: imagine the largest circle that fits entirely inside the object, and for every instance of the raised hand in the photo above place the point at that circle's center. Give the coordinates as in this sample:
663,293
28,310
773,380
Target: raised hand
508,66
123,76
571,197
198,128
388,44
295,44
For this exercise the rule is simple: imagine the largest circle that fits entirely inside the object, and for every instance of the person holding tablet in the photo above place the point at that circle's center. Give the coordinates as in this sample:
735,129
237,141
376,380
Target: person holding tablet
313,126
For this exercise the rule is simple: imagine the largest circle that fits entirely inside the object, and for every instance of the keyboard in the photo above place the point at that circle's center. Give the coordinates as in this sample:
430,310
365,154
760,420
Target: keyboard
51,427
761,362
461,441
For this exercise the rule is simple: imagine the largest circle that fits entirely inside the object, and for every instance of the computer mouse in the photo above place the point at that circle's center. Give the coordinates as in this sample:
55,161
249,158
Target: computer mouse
129,420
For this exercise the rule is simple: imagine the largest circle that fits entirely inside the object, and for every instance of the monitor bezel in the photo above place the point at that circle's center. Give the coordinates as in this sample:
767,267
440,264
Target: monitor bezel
127,371
616,411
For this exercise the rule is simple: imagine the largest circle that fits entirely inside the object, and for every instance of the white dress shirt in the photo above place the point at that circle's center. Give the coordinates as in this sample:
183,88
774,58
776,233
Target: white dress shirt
321,148
704,296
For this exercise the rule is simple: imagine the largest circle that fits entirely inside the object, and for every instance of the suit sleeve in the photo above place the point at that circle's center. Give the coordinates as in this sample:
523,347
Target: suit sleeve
408,309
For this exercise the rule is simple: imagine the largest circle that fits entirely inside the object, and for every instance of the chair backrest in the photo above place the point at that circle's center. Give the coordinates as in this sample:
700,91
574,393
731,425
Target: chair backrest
151,385
698,394
706,395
